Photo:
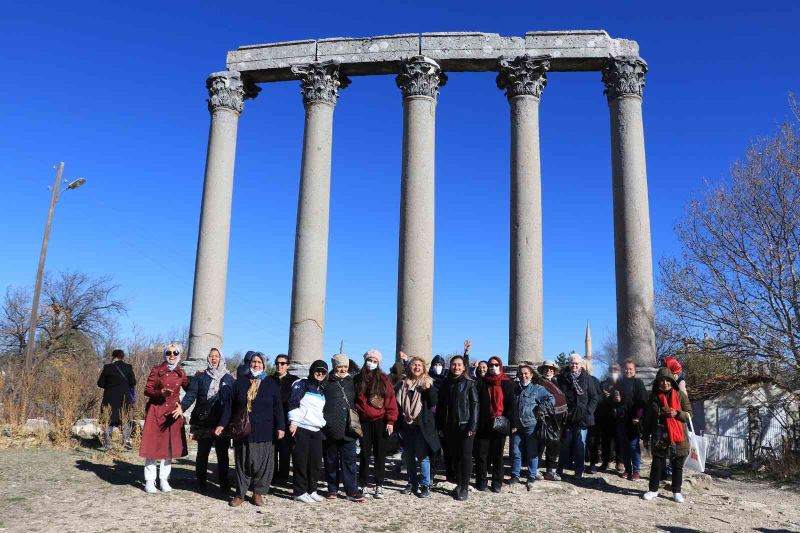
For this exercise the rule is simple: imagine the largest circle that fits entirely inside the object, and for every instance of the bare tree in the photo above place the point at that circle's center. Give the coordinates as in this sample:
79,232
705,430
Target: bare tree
739,272
16,315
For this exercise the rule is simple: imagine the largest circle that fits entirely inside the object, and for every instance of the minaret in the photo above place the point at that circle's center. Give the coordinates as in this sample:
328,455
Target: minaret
588,348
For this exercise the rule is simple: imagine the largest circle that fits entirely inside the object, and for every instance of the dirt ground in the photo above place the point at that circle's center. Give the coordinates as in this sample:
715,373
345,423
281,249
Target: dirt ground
82,490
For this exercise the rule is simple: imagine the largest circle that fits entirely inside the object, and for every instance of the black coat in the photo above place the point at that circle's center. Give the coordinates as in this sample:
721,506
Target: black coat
207,412
426,420
581,407
458,405
339,393
632,404
285,386
116,380
605,407
266,415
484,413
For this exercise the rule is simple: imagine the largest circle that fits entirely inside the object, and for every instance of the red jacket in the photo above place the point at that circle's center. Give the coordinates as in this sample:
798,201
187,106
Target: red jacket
369,413
163,437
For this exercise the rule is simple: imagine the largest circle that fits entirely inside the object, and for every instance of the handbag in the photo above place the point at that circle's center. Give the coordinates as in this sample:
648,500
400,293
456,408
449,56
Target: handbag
353,423
698,447
240,424
377,401
500,424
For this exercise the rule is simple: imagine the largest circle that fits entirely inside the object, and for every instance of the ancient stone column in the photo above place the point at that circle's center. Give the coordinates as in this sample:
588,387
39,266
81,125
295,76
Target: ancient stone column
523,79
226,94
320,84
624,82
419,81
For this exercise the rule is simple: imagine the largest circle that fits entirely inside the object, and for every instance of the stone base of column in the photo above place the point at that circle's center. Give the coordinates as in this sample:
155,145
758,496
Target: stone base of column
191,366
299,369
647,374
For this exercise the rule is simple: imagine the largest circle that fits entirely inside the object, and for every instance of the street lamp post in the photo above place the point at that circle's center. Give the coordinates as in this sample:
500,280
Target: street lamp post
42,255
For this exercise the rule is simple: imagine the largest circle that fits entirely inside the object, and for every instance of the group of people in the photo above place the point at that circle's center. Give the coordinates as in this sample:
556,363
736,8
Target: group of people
456,418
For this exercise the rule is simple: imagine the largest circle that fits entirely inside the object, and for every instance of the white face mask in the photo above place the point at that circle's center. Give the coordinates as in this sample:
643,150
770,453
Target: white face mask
615,376
437,369
371,365
494,370
254,372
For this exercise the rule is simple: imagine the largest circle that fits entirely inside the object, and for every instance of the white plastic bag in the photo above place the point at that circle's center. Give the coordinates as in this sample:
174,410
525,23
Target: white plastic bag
698,447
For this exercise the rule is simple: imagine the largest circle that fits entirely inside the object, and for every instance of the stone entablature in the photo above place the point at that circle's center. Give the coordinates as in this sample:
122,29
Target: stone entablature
579,50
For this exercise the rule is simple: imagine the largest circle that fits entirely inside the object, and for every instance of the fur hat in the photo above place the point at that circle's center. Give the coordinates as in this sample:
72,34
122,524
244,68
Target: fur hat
374,354
340,359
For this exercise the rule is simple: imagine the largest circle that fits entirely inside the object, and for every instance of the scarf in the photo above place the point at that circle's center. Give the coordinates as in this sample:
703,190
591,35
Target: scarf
674,426
495,388
255,383
216,375
410,401
574,378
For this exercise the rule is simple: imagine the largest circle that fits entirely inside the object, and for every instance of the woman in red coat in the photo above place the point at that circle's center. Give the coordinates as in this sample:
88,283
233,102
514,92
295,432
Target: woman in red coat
163,436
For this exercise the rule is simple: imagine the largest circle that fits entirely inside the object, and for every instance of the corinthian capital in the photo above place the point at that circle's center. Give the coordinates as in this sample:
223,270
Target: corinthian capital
420,76
624,76
320,82
228,90
523,75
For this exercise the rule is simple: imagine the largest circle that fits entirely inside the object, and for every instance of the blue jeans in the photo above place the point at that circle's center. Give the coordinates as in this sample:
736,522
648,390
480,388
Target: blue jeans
631,451
573,450
414,446
524,445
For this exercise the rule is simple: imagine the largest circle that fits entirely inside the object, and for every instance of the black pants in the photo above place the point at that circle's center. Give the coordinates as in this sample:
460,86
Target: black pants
593,441
608,441
373,445
283,451
677,471
459,447
551,450
221,445
307,459
489,457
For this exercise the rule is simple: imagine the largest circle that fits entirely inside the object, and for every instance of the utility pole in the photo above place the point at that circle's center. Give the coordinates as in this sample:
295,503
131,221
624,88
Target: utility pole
40,272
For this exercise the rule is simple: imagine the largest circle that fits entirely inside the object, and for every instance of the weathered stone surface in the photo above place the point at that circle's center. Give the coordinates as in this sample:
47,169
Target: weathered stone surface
86,428
454,51
272,56
469,50
368,50
36,425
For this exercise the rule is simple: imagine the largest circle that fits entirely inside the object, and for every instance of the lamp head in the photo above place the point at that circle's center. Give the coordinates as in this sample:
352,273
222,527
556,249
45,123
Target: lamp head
77,183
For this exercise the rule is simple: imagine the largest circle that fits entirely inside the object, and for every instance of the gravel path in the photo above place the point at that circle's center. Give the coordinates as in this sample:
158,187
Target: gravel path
81,490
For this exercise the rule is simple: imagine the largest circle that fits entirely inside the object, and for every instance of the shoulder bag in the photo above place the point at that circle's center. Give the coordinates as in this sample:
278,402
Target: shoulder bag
353,423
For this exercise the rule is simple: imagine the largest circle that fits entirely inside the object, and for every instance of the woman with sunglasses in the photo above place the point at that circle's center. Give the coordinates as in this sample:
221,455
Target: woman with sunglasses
163,436
306,419
283,448
496,395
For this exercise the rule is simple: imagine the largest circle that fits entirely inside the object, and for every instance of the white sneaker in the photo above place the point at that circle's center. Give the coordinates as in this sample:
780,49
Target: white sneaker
304,498
378,492
164,485
678,497
316,497
649,495
150,487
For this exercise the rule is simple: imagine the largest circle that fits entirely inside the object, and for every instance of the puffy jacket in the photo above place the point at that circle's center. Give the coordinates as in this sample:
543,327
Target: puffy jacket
527,400
458,404
580,406
207,411
307,404
339,393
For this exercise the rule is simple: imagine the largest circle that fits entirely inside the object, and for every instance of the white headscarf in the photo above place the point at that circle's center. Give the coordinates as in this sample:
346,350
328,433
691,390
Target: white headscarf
216,374
173,348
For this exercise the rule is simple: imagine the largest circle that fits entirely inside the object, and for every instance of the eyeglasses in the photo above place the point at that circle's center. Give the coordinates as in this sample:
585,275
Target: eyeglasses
169,353
281,363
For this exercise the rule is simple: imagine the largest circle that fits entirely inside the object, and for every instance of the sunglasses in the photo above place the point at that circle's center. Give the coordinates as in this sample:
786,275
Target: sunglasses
494,365
169,353
281,363
320,371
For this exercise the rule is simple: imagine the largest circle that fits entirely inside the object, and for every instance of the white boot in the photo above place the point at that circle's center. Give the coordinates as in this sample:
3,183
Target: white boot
150,471
163,475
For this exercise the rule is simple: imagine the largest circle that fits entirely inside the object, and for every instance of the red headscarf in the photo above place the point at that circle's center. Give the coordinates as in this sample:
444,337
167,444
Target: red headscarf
495,388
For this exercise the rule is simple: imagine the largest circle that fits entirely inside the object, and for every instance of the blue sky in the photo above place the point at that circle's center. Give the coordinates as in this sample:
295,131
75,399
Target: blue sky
117,92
